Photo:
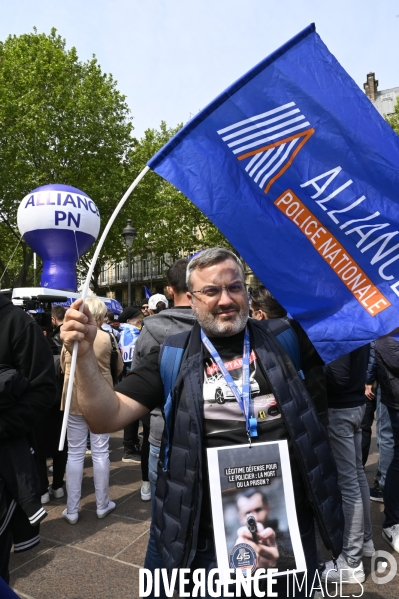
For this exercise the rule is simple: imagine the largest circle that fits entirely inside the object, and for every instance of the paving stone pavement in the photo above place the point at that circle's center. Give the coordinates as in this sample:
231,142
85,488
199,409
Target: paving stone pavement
100,559
96,558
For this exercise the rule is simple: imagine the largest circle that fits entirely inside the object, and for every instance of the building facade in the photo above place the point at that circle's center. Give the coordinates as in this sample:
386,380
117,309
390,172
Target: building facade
385,99
147,272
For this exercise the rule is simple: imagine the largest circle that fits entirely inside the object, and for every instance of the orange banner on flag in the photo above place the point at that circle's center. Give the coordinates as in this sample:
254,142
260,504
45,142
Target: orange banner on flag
331,250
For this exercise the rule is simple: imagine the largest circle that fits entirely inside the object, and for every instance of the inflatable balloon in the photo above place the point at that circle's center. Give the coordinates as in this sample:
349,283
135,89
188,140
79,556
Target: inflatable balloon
60,223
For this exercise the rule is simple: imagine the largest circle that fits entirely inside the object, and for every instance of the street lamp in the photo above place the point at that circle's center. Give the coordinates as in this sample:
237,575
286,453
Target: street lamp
129,234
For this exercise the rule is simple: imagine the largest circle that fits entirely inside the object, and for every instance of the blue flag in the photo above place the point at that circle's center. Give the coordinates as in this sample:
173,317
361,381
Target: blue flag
147,292
6,592
298,170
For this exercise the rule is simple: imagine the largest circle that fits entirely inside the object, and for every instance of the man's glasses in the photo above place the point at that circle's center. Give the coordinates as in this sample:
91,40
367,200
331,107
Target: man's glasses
214,291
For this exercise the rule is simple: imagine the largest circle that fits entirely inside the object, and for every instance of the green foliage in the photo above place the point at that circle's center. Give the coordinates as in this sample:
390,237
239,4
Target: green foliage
64,121
393,119
166,221
61,121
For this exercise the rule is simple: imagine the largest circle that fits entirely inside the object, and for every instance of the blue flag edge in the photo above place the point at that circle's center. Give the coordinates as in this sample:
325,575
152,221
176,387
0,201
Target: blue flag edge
329,348
219,100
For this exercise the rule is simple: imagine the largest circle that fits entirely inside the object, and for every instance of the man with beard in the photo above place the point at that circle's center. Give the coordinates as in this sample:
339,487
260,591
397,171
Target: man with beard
223,339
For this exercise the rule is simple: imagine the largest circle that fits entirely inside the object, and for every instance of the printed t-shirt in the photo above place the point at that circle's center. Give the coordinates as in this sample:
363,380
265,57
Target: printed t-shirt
224,422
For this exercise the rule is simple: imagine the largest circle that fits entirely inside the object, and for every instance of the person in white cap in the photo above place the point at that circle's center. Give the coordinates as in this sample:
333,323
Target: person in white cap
157,303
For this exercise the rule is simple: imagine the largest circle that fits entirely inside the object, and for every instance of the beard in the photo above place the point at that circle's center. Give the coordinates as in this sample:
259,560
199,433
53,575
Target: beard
213,327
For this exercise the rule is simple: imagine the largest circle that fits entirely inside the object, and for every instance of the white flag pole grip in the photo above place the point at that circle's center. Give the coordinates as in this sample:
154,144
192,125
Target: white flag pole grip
84,296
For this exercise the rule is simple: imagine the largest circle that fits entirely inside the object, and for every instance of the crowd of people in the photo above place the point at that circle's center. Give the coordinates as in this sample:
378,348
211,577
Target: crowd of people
156,362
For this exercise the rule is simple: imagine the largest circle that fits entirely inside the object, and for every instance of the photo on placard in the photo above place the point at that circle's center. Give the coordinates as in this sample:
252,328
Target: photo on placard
253,505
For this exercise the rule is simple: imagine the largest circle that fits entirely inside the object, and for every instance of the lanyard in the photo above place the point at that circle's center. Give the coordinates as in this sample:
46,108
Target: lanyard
243,398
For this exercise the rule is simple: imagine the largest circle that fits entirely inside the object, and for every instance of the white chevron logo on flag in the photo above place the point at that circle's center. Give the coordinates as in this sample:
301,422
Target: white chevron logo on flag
268,141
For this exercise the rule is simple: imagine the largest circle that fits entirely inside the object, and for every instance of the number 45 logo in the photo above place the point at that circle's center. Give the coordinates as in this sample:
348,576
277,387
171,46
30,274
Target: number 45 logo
242,556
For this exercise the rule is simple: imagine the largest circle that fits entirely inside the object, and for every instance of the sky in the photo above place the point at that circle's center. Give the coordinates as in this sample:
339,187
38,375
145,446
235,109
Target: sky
172,57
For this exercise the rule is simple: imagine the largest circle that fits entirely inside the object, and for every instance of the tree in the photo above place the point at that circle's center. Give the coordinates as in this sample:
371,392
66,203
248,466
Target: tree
393,119
61,121
166,221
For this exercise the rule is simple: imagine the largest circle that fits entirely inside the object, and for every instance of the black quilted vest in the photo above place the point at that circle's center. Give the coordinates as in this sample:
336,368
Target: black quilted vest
176,513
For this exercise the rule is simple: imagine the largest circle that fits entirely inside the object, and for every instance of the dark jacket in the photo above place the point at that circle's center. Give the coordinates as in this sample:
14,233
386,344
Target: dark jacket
372,366
56,338
24,347
346,379
178,498
17,465
387,356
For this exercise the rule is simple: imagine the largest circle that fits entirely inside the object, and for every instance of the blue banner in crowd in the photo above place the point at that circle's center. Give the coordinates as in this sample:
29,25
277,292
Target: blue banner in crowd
147,292
299,171
111,303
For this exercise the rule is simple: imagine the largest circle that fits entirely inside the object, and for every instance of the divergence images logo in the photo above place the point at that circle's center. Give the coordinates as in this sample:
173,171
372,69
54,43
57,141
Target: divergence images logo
268,142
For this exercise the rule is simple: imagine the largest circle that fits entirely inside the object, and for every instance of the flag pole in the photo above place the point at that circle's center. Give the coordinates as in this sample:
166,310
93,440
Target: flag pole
84,296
